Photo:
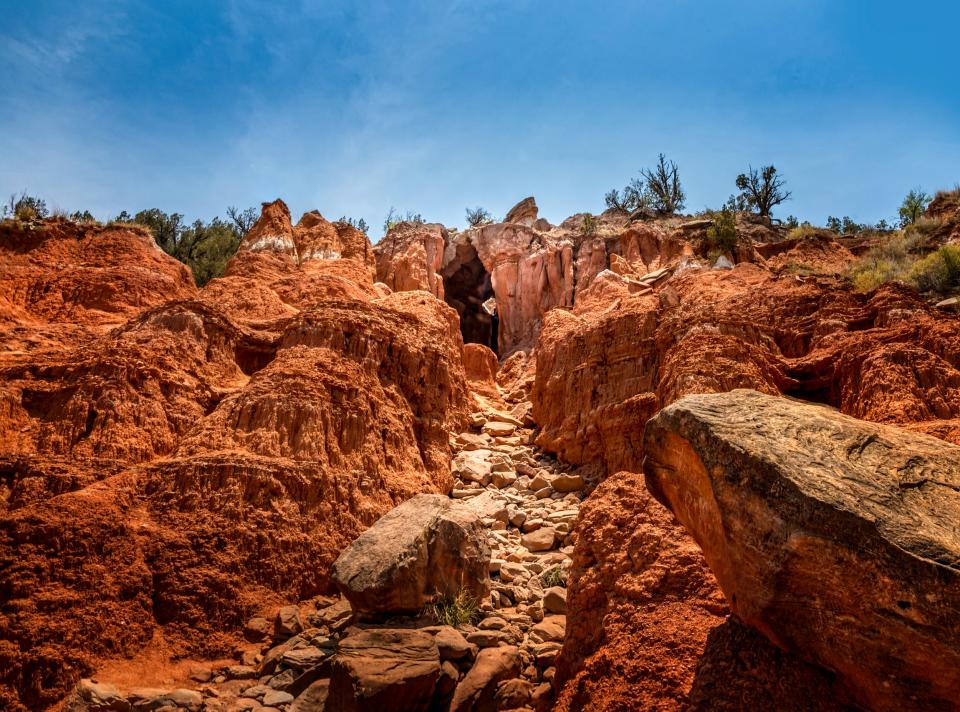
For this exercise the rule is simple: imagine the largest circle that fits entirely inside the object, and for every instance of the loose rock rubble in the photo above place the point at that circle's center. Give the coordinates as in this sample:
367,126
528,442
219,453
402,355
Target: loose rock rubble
323,655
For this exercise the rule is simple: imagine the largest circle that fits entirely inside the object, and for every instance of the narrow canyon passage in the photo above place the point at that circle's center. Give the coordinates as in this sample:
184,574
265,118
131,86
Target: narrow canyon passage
467,288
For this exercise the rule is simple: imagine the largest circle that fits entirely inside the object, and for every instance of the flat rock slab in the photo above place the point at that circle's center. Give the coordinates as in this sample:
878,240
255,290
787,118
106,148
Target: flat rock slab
428,546
384,670
837,538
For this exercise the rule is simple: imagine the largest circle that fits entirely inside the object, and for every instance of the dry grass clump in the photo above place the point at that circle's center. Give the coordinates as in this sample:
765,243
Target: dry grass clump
901,258
804,231
462,609
553,577
890,261
937,272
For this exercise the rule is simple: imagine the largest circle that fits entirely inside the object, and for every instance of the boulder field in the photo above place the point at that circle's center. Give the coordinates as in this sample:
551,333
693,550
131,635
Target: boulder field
522,466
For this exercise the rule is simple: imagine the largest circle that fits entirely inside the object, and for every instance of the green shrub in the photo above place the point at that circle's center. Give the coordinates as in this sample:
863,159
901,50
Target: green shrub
478,216
462,609
553,577
589,225
657,189
722,235
915,202
394,218
25,208
937,272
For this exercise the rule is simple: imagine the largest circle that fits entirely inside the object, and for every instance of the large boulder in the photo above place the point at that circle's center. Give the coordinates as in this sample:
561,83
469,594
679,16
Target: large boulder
384,671
428,547
835,537
525,212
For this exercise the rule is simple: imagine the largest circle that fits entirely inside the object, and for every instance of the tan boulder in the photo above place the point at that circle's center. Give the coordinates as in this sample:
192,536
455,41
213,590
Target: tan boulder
477,689
834,537
427,547
525,212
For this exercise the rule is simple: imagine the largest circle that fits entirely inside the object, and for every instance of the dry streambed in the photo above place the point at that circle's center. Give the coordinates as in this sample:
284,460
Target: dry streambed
512,512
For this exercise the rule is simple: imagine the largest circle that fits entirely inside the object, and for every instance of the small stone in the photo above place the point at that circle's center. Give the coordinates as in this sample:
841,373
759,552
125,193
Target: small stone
492,623
555,600
257,629
335,617
487,638
513,694
540,481
255,692
277,697
287,623
503,479
497,429
305,657
101,696
531,525
542,697
550,629
540,540
510,572
546,653
447,682
451,643
567,483
240,672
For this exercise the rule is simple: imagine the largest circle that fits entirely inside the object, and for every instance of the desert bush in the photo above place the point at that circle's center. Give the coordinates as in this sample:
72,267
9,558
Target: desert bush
890,261
633,198
82,217
805,230
663,187
937,272
589,225
166,228
923,226
25,207
553,577
762,190
243,220
478,216
206,248
657,189
722,235
462,609
394,218
359,224
913,206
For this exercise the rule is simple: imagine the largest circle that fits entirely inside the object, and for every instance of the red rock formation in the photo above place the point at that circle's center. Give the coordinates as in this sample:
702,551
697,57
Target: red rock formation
410,257
208,455
608,365
647,625
480,365
61,283
644,600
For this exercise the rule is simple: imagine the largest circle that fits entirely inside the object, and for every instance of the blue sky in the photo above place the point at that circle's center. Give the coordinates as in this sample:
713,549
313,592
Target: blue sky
352,108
